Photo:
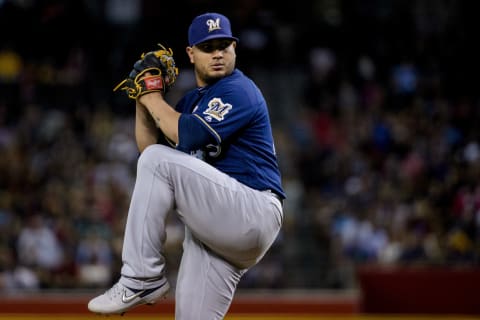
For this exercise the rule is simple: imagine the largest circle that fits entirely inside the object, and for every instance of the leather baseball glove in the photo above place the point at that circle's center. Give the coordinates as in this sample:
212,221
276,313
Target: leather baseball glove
162,74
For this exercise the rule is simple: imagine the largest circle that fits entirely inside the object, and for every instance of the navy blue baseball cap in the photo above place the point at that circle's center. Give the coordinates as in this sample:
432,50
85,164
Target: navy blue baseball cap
209,26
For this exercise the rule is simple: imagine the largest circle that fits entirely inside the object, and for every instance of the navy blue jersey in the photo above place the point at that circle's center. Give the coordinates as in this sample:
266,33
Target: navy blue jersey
227,124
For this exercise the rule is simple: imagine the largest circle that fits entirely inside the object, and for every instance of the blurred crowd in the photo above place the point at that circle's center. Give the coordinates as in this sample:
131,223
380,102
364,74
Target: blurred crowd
375,112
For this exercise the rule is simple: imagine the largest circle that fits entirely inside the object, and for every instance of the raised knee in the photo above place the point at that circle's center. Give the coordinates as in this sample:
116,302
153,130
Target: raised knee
150,155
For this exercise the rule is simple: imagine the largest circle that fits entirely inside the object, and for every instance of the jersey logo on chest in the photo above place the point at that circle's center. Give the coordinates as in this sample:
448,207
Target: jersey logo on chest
216,109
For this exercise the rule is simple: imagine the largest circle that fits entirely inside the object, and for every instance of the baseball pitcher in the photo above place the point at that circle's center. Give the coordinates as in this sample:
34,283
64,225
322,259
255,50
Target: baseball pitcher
211,158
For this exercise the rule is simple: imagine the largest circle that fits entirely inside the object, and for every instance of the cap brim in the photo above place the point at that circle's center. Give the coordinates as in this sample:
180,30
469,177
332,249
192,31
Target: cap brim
214,36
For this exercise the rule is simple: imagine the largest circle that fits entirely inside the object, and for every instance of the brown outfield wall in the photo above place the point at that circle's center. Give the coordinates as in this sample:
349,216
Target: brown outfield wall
244,303
382,290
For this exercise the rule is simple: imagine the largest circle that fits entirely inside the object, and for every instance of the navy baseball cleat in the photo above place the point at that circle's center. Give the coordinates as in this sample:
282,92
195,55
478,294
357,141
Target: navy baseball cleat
119,299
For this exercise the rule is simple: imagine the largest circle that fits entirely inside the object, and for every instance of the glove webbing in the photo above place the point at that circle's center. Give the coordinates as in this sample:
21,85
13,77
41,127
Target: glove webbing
164,55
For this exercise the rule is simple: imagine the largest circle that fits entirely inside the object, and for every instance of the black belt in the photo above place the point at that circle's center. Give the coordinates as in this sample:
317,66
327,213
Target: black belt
276,195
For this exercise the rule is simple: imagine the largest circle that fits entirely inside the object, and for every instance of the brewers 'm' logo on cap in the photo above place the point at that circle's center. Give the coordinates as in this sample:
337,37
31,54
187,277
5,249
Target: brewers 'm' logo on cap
209,26
213,24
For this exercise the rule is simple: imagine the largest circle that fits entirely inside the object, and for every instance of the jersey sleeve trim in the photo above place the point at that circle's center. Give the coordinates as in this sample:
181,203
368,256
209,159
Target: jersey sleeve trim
170,142
217,136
